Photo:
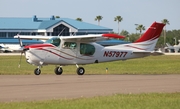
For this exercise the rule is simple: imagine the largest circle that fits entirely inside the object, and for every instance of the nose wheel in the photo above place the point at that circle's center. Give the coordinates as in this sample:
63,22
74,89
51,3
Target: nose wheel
37,71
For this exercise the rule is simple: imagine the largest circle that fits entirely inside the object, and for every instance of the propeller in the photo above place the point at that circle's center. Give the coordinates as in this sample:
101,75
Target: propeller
22,51
20,41
20,60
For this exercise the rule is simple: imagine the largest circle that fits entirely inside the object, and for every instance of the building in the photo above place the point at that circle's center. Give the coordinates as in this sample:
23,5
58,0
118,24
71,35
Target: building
9,27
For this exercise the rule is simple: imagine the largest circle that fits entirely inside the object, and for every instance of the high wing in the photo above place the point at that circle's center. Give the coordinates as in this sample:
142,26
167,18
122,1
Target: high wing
31,37
92,37
85,38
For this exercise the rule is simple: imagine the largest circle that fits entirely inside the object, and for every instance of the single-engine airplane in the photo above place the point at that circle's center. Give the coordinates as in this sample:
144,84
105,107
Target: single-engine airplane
176,48
80,50
10,47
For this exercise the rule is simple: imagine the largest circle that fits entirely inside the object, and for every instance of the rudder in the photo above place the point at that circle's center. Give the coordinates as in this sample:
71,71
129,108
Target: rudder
152,33
148,40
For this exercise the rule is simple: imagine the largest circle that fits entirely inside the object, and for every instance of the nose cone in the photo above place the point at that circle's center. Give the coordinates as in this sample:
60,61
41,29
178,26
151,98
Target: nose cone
35,53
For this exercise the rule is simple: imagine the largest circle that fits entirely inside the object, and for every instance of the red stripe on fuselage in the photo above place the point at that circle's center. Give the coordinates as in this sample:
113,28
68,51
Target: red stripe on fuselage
55,54
134,47
38,46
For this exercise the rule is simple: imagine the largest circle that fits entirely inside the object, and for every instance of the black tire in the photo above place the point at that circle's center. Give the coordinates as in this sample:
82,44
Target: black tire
58,71
37,71
80,71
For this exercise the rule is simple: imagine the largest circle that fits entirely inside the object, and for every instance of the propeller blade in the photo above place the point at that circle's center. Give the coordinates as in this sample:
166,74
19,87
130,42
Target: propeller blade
20,41
20,60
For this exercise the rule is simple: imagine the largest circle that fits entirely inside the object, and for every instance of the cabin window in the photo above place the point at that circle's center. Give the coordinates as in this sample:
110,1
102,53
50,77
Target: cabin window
54,41
87,49
69,45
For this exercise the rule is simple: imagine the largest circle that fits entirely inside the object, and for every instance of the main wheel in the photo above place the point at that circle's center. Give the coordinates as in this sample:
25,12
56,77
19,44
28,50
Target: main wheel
80,71
58,70
37,71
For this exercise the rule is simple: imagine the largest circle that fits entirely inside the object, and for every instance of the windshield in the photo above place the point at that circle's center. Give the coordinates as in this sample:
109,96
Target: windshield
54,41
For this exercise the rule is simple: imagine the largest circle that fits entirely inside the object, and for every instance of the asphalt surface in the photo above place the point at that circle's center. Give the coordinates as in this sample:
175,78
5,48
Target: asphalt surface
47,87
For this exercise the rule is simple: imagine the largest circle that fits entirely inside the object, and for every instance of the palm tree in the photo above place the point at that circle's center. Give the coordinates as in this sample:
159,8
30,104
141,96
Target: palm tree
125,33
136,27
118,19
98,18
165,21
140,28
79,19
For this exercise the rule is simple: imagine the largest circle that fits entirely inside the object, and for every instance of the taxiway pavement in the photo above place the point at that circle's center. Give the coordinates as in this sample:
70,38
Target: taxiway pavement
46,87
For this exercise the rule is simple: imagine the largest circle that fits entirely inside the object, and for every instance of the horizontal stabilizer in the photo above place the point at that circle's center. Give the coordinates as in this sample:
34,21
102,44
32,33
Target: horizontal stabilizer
154,53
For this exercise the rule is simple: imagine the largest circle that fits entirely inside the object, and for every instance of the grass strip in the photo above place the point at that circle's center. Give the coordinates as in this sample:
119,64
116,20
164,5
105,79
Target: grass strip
148,65
116,101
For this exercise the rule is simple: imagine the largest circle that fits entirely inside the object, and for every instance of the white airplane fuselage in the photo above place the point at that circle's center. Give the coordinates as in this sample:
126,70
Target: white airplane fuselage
66,56
78,50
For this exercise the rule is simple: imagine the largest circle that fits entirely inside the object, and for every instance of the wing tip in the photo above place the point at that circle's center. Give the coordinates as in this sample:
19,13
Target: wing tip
111,35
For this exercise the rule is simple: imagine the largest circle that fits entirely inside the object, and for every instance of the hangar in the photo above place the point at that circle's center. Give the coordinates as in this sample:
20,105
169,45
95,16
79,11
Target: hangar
9,27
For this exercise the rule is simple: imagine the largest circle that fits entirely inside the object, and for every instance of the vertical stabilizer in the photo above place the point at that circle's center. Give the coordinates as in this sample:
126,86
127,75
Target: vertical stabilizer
149,39
152,33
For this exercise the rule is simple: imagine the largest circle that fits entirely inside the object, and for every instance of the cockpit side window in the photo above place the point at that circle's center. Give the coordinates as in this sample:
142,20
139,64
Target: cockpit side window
87,49
69,45
54,41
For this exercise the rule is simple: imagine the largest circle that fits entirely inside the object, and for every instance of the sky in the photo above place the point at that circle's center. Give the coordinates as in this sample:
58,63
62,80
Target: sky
133,12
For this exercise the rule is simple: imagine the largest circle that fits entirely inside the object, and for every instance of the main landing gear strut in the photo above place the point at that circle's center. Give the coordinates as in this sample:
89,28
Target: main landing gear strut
59,70
80,70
